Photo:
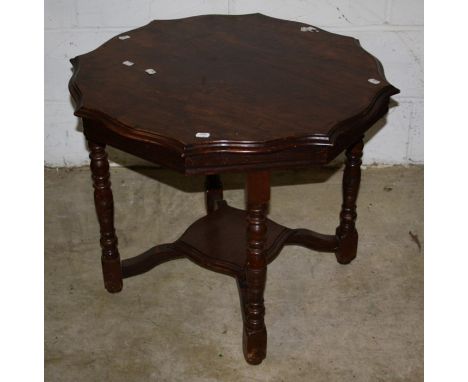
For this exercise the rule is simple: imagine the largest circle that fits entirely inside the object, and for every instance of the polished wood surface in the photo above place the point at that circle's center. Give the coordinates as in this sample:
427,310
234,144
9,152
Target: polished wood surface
239,244
346,231
104,203
266,92
218,242
255,334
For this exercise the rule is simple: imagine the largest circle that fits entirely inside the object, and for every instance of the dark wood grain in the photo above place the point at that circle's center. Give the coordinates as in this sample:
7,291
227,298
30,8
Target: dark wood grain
104,204
312,240
218,242
255,334
149,259
213,192
268,94
346,232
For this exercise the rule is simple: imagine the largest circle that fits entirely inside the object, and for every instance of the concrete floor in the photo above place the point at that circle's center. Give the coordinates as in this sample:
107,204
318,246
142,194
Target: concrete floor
179,322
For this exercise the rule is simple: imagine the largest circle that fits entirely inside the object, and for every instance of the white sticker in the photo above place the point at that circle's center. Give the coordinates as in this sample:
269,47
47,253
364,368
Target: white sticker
309,29
150,71
124,37
128,63
373,81
202,135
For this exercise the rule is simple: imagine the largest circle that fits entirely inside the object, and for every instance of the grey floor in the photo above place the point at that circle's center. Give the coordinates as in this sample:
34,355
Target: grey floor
179,322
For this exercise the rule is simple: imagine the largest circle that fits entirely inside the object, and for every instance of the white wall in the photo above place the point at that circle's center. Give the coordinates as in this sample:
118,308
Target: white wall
392,30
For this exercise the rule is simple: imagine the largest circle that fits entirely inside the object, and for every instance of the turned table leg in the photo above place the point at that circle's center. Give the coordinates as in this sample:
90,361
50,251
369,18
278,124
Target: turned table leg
255,334
346,232
213,192
104,204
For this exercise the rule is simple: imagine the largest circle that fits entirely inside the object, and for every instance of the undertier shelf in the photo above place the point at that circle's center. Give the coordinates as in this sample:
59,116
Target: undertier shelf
218,241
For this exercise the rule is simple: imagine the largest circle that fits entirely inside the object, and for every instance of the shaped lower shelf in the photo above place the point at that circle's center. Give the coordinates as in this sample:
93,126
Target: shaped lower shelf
218,241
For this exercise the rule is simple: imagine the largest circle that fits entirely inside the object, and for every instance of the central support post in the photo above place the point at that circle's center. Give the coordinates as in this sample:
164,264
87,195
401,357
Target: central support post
255,334
213,192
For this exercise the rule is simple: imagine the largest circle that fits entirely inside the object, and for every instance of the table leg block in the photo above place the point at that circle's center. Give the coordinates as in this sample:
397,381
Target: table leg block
104,203
346,232
255,335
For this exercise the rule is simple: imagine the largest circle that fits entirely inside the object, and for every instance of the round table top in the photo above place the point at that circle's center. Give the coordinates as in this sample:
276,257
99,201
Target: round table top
210,87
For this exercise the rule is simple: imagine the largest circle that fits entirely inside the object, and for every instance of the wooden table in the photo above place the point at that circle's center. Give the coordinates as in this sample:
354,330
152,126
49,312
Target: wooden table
217,94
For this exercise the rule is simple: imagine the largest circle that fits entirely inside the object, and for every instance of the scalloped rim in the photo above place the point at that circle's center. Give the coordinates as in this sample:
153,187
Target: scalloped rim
244,147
